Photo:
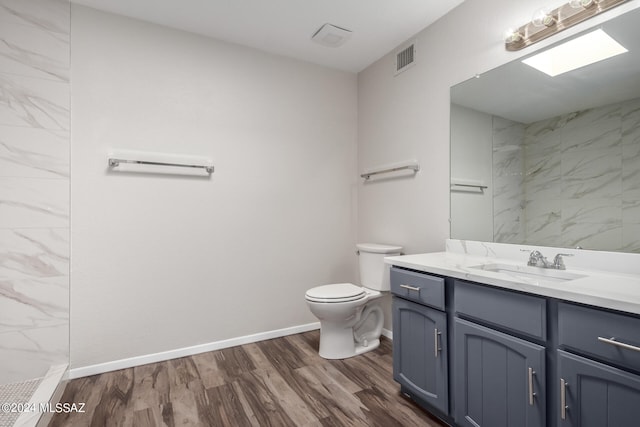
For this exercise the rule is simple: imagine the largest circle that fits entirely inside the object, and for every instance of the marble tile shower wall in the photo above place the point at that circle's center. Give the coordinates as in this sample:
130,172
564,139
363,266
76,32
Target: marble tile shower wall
581,178
508,181
34,187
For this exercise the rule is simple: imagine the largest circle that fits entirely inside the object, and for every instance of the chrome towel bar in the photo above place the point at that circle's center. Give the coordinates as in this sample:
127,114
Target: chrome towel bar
414,166
113,162
470,185
459,184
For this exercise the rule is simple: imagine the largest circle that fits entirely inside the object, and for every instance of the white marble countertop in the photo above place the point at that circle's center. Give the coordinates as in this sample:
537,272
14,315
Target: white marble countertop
617,291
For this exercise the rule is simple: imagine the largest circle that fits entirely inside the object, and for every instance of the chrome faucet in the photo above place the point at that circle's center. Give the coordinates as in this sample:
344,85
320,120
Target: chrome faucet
558,261
536,259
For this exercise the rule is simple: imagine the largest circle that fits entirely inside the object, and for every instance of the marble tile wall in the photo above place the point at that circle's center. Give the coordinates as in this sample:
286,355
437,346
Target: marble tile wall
508,181
34,187
580,175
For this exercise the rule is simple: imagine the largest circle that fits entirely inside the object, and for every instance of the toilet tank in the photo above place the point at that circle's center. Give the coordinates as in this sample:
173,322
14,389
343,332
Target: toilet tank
374,273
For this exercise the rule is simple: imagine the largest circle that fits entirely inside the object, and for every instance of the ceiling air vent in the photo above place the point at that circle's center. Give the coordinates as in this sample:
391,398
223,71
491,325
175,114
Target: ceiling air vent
405,58
331,35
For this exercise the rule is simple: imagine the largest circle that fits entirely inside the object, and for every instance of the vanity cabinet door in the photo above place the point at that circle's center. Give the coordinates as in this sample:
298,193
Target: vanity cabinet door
595,394
420,352
500,379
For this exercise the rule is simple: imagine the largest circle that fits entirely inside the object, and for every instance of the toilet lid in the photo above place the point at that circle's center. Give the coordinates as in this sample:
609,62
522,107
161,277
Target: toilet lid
337,292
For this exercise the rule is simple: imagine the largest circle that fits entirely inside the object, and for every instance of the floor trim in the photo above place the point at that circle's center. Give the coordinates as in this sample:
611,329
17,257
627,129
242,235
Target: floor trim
387,333
115,365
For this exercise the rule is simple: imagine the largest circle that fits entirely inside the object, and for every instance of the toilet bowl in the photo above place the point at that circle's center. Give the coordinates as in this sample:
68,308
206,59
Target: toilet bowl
350,321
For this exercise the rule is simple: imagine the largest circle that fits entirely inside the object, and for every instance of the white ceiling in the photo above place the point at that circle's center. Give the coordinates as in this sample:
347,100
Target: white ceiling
285,27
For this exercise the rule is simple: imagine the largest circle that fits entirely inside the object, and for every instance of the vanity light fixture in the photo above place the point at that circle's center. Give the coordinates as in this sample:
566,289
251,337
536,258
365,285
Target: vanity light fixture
576,53
546,23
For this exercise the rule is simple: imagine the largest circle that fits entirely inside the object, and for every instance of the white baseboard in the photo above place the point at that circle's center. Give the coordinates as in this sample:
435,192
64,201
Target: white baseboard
387,333
115,365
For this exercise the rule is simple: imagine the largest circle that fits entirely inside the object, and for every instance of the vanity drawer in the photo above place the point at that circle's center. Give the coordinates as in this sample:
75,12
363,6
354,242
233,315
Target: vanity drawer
418,287
600,334
511,311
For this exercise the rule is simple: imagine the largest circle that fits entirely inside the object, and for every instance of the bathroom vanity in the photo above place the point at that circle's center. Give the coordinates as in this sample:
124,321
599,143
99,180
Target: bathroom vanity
481,339
520,345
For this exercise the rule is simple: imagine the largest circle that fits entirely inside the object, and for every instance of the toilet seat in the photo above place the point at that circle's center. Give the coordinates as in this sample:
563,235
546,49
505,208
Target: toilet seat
336,293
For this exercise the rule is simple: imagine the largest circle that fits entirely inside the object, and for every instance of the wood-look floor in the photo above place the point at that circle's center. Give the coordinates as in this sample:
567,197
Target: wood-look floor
278,382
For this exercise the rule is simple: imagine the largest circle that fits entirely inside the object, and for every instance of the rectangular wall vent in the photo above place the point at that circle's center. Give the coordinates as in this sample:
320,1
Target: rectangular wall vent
405,58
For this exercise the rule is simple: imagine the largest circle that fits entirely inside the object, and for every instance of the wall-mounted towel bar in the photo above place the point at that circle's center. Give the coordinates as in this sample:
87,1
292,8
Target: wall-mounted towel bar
482,187
116,162
141,160
413,165
468,185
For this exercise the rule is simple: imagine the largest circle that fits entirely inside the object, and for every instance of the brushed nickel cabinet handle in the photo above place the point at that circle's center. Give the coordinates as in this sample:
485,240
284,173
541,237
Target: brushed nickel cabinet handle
563,399
531,373
436,342
411,288
613,341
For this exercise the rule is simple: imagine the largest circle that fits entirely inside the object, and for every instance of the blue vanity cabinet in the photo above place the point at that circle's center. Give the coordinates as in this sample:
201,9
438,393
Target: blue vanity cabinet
598,367
500,378
420,349
477,355
420,352
594,394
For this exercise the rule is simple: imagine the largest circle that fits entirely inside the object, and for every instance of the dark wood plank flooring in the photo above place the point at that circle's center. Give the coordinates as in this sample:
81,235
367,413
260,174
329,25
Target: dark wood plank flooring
278,382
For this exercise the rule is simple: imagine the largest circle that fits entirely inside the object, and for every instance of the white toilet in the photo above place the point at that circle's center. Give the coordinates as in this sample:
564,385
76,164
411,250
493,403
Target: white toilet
350,324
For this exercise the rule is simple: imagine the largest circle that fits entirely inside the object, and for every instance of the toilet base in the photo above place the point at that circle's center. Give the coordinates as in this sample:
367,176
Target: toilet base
349,328
336,342
344,339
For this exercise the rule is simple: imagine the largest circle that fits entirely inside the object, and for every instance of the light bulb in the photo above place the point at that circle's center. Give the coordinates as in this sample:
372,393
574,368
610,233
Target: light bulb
579,4
512,36
541,17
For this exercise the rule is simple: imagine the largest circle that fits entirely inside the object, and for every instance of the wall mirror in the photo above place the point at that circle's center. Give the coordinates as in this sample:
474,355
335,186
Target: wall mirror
551,161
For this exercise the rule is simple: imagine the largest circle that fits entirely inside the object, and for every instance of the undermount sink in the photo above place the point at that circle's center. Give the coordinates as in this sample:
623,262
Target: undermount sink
526,272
